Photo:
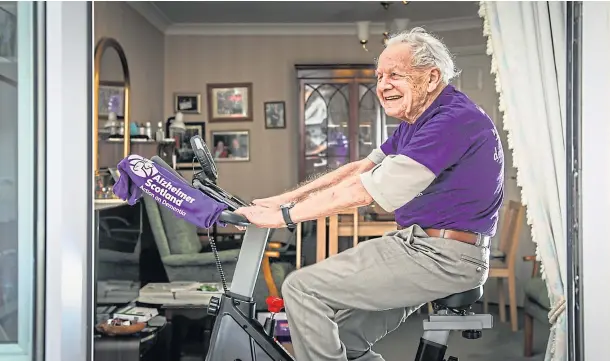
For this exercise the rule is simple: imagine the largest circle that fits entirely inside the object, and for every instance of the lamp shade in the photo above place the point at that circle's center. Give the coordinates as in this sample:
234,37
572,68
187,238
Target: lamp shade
363,30
178,125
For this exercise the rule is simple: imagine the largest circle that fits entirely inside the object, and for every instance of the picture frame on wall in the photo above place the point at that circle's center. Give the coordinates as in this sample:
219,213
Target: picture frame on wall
231,102
187,103
230,145
185,157
111,99
275,115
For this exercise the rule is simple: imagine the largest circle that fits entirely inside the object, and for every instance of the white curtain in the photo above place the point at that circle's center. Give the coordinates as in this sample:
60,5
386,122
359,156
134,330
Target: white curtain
526,41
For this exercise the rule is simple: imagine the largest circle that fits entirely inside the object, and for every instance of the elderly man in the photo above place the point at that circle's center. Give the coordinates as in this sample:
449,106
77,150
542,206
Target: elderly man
441,173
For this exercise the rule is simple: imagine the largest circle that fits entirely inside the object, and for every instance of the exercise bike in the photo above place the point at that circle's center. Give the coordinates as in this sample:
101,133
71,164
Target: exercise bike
237,334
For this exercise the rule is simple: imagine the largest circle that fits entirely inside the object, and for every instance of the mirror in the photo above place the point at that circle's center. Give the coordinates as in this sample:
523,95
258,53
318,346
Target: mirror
111,105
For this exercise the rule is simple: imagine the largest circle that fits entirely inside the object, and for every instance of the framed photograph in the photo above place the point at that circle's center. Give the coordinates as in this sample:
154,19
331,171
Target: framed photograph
275,115
111,99
187,103
185,158
230,145
230,102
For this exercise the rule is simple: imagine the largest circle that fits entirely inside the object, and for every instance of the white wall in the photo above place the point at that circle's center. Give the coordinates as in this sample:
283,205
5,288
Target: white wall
144,49
595,188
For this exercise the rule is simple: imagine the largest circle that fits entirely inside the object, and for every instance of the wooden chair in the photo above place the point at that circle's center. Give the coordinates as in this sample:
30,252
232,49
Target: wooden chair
355,227
272,252
266,266
504,267
537,305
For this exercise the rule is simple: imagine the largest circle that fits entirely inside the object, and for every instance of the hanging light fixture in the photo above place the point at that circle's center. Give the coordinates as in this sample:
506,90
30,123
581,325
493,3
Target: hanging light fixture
363,33
399,25
386,33
387,25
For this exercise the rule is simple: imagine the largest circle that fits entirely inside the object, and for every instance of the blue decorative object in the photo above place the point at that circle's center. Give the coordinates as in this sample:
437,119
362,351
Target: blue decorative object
133,129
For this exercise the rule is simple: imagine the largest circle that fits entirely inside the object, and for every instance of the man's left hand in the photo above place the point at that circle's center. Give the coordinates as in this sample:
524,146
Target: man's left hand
262,217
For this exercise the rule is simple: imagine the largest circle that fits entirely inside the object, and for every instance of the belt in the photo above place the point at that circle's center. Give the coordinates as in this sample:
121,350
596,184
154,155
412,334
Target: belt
473,238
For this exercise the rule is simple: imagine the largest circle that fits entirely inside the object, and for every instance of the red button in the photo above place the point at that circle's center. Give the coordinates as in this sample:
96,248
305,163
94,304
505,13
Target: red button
275,304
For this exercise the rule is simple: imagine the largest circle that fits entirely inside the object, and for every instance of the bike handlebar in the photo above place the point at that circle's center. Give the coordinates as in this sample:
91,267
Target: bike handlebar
234,219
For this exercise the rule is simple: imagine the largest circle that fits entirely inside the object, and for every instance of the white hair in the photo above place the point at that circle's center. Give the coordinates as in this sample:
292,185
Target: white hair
427,51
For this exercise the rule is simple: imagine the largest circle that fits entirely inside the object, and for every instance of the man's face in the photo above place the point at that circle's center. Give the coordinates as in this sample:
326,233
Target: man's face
402,90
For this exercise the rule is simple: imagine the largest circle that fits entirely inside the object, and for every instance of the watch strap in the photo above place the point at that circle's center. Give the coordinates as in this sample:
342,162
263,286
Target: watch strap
286,216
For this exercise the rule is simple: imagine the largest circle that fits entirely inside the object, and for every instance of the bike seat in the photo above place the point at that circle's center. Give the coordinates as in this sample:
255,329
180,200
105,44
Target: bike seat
460,300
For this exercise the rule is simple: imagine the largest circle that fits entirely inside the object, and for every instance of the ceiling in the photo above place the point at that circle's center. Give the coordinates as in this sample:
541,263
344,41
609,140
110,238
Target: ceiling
200,12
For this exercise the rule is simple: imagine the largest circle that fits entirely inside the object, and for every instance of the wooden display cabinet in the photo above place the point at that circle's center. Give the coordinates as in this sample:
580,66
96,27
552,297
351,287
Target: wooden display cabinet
341,119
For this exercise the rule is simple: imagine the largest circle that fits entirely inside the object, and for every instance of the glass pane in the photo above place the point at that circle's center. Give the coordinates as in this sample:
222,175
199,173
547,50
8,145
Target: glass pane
370,115
374,125
390,125
17,222
326,126
336,162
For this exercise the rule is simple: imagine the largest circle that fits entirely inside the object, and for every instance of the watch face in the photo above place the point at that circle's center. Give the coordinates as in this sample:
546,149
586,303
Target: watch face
288,205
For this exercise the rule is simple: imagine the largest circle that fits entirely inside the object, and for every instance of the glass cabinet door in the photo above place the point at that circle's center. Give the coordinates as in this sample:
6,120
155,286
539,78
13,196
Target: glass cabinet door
370,116
374,126
341,118
388,126
326,121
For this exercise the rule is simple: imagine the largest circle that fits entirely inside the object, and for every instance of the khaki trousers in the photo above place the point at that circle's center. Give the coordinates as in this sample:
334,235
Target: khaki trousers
338,308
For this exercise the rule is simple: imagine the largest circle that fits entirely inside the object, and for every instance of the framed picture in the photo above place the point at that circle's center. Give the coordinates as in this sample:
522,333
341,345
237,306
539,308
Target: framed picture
111,99
230,145
185,158
230,102
275,115
187,103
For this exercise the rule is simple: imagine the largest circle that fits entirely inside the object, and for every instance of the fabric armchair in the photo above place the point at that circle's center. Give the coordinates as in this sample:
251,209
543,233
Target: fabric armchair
181,253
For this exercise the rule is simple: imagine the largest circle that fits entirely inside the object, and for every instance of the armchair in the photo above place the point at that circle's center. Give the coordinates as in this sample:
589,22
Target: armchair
181,254
119,249
537,305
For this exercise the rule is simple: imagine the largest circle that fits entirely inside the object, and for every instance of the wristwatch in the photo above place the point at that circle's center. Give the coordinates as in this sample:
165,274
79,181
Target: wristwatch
286,214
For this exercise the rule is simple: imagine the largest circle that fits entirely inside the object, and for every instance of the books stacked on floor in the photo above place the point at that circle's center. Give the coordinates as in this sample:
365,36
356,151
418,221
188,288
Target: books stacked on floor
180,293
135,313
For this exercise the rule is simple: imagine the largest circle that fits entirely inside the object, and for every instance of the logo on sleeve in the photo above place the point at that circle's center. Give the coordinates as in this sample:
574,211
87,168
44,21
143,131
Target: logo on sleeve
142,167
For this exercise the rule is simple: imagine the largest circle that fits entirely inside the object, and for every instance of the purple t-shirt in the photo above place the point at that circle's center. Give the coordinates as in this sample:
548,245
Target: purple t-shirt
459,143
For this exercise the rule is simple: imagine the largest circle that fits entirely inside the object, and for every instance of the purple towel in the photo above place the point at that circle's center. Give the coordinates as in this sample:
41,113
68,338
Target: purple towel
138,174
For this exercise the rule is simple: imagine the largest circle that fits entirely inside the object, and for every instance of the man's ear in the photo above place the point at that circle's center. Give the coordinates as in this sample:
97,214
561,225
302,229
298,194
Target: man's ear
434,79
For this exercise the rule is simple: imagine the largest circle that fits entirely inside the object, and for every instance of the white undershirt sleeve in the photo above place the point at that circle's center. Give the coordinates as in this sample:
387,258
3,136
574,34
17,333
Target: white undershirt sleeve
396,180
376,156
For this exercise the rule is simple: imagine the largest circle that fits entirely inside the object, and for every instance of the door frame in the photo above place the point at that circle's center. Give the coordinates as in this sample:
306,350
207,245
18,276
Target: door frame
68,330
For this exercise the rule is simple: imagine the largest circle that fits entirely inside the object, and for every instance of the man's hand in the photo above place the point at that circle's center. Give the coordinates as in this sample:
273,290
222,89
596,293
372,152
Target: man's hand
263,217
271,202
